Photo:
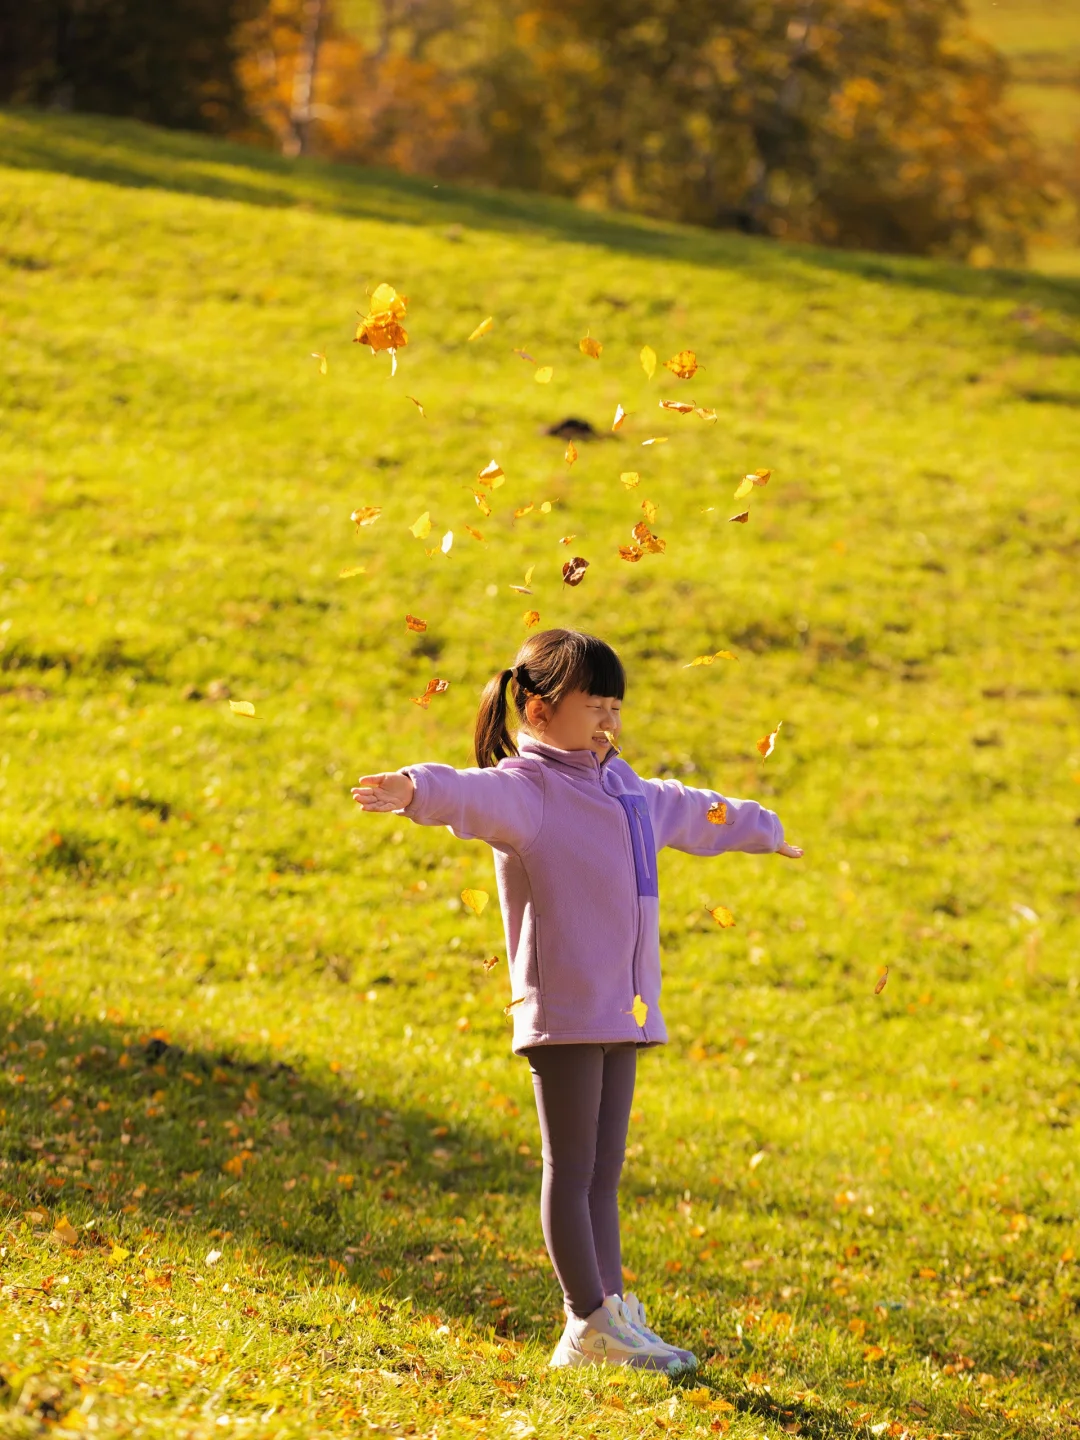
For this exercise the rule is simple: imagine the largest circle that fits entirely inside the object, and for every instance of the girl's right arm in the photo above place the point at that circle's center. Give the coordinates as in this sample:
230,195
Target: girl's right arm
502,805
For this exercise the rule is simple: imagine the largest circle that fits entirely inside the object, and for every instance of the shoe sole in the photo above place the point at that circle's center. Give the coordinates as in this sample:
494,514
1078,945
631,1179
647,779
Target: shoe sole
576,1358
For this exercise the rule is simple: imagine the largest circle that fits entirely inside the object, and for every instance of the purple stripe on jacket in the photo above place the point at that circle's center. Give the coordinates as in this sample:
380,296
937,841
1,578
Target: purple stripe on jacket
575,841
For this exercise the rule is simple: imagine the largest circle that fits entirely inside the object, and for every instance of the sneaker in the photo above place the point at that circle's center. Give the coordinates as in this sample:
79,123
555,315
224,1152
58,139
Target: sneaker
607,1338
634,1311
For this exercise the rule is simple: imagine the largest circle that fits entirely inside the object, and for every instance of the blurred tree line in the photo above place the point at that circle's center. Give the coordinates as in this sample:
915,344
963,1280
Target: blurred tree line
872,123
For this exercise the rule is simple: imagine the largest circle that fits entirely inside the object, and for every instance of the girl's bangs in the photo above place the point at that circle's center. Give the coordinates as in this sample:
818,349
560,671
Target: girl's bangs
597,670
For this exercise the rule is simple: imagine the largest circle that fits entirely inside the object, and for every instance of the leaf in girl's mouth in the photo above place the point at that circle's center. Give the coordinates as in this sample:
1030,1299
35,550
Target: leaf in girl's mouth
609,736
723,917
474,900
434,687
767,745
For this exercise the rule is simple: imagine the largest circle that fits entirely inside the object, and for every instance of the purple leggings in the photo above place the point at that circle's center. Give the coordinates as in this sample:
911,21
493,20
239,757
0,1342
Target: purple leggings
583,1099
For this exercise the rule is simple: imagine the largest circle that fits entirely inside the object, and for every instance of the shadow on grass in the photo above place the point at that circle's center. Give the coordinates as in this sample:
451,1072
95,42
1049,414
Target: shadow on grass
129,153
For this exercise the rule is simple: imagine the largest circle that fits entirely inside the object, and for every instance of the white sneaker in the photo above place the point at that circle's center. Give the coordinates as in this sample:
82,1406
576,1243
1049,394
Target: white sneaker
606,1337
635,1313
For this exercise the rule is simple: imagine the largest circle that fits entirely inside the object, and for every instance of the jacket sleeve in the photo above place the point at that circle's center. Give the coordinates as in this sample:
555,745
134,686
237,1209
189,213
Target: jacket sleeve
503,805
678,813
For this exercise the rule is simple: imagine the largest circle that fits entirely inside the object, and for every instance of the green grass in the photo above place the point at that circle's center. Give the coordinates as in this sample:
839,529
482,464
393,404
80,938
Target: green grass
243,1017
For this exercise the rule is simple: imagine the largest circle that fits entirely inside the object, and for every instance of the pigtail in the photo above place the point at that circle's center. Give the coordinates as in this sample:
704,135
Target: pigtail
492,740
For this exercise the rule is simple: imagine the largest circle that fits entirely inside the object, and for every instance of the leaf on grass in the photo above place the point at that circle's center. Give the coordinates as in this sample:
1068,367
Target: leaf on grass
413,622
589,346
491,471
365,515
639,1010
747,483
417,404
651,511
118,1254
65,1232
567,539
620,416
881,983
434,687
723,917
474,900
630,478
768,744
381,327
544,374
491,962
681,407
316,355
212,1257
650,543
684,365
648,360
710,659
717,814
421,526
739,519
483,328
475,533
242,707
571,452
573,572
531,618
351,570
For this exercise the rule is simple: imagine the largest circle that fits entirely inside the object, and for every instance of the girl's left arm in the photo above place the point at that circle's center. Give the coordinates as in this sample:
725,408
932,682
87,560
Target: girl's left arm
679,815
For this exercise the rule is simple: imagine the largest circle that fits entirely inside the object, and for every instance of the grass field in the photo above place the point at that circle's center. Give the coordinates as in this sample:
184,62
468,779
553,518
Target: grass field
268,1162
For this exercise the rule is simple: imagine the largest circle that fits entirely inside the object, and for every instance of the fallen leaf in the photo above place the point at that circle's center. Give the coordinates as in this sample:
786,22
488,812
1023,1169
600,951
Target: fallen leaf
651,511
118,1254
881,983
682,407
723,917
412,622
740,519
639,1010
756,1159
434,687
573,572
768,744
873,1352
475,533
421,526
710,659
381,327
242,707
684,365
630,478
474,900
491,471
544,374
589,346
717,814
620,416
756,477
482,328
566,539
650,543
417,404
365,515
315,355
648,360
531,618
212,1257
351,570
571,452
656,440
65,1232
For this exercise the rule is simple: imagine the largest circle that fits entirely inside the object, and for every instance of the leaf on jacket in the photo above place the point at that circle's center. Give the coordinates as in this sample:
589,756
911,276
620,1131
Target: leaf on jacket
630,478
573,572
483,328
747,483
413,622
544,374
417,404
723,917
421,526
639,1010
709,659
492,471
365,515
881,983
684,365
474,900
767,745
648,360
531,618
620,416
717,814
571,452
589,346
434,687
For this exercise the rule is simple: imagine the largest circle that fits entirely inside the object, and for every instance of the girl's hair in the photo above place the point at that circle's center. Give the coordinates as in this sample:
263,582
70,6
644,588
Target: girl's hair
549,664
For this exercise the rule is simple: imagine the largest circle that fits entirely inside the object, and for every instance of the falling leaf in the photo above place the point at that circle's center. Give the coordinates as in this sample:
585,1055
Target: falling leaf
639,1010
474,900
521,589
756,477
417,404
524,510
656,440
609,736
544,374
620,416
434,687
351,570
524,355
118,1254
765,747
365,515
573,572
648,360
381,326
717,814
491,962
65,1232
475,533
632,553
684,365
545,508
650,543
650,510
491,471
881,983
630,478
242,707
421,526
315,355
710,659
529,574
446,542
682,407
413,622
723,917
212,1257
705,413
739,519
571,452
531,618
566,539
482,328
481,501
508,1008
756,1159
589,346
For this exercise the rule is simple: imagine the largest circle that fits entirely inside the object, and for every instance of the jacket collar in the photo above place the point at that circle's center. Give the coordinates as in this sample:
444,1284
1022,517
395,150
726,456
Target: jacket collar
578,762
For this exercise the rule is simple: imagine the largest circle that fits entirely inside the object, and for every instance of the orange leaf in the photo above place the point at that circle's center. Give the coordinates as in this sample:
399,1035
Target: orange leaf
573,572
417,404
531,617
756,477
881,983
650,543
474,533
723,917
768,744
683,407
566,539
491,962
482,502
381,327
571,452
365,515
633,553
740,519
717,814
620,416
650,510
684,365
491,471
65,1232
589,346
482,328
524,510
508,1008
434,687
413,623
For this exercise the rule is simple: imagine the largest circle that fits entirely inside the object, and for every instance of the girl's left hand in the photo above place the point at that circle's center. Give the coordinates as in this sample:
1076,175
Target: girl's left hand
792,852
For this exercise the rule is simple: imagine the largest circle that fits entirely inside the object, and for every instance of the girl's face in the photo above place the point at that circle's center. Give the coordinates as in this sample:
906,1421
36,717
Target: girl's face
577,722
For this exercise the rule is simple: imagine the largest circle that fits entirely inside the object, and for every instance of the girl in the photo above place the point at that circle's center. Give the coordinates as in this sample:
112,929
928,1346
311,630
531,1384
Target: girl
575,834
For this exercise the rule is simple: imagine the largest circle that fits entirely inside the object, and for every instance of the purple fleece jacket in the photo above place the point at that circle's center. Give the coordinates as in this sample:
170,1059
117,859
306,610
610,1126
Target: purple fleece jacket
575,841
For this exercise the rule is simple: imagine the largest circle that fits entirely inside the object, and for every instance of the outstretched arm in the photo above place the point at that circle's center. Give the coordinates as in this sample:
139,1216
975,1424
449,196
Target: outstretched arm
503,805
680,818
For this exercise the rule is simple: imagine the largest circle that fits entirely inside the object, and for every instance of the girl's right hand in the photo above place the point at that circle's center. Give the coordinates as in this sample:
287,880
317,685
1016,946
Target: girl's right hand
383,792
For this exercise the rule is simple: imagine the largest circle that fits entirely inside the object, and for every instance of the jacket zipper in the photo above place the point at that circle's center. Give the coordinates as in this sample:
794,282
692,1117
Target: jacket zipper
637,937
644,851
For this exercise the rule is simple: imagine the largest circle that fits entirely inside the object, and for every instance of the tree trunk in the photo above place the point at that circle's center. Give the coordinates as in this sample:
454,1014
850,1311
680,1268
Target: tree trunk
307,61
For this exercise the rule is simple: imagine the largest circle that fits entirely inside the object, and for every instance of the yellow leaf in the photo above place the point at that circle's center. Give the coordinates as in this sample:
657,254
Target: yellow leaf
544,374
365,514
508,1008
315,355
705,412
118,1255
545,508
684,365
491,471
531,618
523,510
242,707
381,327
756,1159
474,900
571,452
413,622
620,416
757,477
709,659
766,746
529,574
589,346
651,544
475,533
351,570
421,526
482,502
681,407
417,404
648,360
650,510
656,440
630,478
639,1010
74,1420
65,1232
609,736
482,328
723,917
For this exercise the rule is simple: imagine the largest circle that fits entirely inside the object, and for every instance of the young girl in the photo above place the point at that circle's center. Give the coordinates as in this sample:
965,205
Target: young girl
575,834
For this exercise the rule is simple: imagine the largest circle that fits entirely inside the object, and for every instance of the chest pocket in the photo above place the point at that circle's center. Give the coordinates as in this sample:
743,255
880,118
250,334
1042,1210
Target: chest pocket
641,839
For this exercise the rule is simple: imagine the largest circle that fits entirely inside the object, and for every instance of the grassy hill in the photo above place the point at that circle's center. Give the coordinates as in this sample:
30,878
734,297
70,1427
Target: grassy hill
268,1161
